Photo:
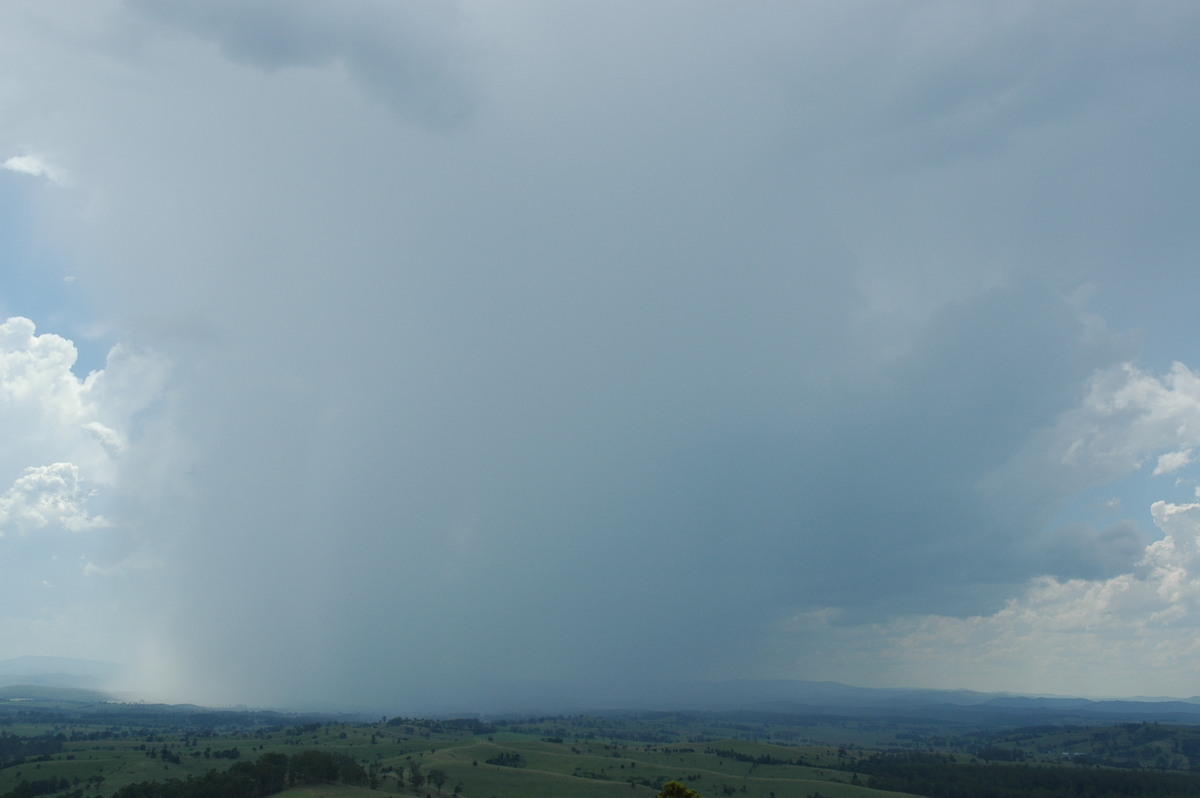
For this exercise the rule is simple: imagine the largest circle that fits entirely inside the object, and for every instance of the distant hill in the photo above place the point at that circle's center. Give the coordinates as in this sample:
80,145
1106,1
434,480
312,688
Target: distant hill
57,672
42,693
826,699
834,698
81,681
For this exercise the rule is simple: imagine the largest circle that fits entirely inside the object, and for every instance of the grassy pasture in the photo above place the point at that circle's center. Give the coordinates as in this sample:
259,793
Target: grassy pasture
577,764
105,748
328,791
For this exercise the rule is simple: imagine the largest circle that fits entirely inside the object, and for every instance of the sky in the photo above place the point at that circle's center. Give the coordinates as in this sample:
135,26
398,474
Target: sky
380,354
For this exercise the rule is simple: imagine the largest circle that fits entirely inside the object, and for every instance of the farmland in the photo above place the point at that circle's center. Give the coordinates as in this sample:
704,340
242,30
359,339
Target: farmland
81,749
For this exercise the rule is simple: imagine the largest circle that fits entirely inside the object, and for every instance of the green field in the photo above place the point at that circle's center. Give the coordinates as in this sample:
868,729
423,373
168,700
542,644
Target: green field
85,749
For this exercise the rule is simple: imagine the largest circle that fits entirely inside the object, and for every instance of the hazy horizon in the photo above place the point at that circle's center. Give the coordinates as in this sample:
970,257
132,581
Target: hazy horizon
374,351
76,677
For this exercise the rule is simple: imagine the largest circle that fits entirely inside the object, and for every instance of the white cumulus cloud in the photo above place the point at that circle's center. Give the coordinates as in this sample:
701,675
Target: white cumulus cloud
1173,461
1144,625
1136,633
50,495
80,454
1127,418
54,416
33,165
1129,414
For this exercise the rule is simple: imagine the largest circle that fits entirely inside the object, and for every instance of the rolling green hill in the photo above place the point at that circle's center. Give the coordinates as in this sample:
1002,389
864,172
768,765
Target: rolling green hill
79,750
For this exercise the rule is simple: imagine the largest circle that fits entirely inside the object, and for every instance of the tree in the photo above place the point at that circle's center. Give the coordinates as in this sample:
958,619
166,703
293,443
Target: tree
415,777
437,777
675,789
313,767
316,767
271,773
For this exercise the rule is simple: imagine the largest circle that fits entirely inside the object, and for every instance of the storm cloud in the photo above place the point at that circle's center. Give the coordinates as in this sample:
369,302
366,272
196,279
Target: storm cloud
469,345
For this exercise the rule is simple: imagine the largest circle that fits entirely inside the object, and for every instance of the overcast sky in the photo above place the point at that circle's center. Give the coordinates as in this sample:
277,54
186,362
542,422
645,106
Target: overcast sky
383,353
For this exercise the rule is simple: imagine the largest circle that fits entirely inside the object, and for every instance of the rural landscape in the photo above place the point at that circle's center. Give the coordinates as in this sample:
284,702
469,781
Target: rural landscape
76,743
599,399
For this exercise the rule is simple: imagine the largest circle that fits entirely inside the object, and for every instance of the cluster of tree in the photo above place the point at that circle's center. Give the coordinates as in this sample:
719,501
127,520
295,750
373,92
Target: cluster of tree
643,728
31,789
304,728
1102,761
269,774
1127,745
166,753
15,750
94,736
417,777
98,713
472,725
444,726
764,759
994,753
676,789
508,759
938,776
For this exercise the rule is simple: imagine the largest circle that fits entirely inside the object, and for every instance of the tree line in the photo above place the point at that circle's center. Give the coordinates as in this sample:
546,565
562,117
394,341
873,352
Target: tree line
15,750
939,776
269,774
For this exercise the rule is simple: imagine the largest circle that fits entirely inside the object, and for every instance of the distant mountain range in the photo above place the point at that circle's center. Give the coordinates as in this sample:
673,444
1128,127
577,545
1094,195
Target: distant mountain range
37,675
834,698
830,699
57,672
